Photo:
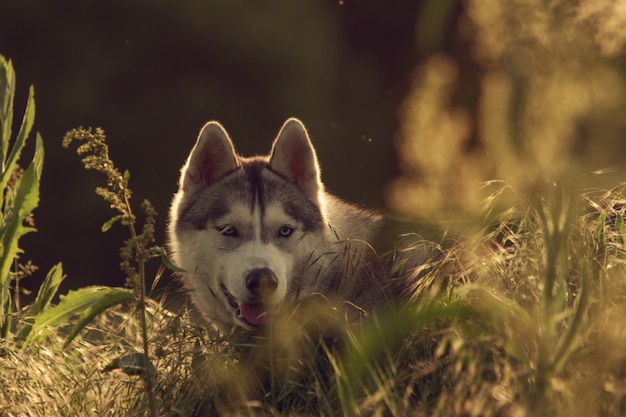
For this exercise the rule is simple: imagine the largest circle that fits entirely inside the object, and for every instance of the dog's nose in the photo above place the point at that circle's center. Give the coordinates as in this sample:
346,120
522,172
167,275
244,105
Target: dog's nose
261,282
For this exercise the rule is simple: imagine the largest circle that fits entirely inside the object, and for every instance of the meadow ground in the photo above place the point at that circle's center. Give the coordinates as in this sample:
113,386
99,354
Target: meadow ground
528,319
523,314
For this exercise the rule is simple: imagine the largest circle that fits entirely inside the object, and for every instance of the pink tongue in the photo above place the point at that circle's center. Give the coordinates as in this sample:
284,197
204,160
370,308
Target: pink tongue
257,314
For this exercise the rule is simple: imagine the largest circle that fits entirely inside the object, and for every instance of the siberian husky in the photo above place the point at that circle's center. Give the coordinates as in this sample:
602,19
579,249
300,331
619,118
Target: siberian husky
255,234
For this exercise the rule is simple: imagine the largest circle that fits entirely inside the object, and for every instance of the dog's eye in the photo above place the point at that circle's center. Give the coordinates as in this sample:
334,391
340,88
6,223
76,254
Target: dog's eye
285,231
227,230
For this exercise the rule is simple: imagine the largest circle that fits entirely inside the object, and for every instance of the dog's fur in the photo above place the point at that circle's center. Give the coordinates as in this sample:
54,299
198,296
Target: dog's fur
255,234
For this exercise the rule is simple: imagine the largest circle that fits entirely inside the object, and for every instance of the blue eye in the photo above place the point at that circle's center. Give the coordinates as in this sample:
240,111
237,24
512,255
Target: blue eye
227,230
285,231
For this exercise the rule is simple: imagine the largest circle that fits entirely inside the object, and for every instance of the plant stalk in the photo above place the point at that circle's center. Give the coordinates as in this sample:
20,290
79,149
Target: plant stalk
141,287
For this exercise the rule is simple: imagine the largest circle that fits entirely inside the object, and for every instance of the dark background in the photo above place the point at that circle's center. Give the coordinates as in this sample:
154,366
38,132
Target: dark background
151,72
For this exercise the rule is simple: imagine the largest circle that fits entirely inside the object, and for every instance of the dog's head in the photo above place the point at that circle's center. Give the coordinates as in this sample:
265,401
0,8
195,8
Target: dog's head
242,228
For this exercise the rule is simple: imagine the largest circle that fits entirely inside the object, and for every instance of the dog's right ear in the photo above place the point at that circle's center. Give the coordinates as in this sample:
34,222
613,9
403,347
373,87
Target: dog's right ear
211,158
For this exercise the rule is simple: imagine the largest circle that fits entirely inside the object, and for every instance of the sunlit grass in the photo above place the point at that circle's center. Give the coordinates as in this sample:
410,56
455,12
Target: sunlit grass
518,329
523,312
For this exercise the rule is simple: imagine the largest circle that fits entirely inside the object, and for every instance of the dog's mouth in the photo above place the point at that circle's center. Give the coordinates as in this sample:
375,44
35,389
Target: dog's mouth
254,313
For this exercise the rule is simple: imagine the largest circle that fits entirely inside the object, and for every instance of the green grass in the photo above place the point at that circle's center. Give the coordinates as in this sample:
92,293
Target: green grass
524,314
496,340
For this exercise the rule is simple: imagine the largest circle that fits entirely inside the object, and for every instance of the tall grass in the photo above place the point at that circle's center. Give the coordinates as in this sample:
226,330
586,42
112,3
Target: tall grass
498,345
19,196
521,314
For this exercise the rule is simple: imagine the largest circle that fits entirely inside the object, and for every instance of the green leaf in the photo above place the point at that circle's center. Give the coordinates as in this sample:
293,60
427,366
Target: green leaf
7,92
107,225
160,250
601,238
575,326
22,135
47,290
198,360
501,316
26,200
5,310
362,350
133,364
126,177
620,227
85,302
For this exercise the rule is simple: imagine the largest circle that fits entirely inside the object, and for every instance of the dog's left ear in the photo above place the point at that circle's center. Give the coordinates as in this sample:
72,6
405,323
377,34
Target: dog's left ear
294,158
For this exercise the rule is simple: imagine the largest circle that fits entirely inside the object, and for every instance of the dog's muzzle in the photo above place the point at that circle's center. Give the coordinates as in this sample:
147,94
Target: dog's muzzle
262,283
256,310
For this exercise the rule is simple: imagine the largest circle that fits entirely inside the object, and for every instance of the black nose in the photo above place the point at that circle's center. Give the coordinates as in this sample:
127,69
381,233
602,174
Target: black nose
261,282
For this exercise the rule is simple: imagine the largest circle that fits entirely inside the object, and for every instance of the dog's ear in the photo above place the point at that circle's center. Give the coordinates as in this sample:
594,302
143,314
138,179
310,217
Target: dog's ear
211,158
294,158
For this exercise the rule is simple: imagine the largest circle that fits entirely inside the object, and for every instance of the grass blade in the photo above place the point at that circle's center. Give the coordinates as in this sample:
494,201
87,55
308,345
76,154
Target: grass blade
26,200
7,92
47,290
22,135
85,302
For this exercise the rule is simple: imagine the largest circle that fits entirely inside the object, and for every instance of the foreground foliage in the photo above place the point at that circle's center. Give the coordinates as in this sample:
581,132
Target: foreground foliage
531,325
19,196
523,315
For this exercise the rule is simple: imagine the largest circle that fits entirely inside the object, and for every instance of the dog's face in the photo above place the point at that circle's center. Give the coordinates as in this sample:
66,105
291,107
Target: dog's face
244,229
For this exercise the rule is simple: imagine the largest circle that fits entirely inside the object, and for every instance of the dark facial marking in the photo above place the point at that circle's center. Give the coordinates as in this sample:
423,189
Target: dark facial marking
258,184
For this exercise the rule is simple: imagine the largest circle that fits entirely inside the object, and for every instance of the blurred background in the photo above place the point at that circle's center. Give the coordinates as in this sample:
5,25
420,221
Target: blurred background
411,104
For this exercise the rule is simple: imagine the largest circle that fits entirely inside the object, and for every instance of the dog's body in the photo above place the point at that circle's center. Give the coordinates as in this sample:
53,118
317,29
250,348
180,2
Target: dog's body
254,234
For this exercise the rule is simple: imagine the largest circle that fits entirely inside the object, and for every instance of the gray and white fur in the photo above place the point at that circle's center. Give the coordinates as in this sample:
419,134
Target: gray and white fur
255,234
